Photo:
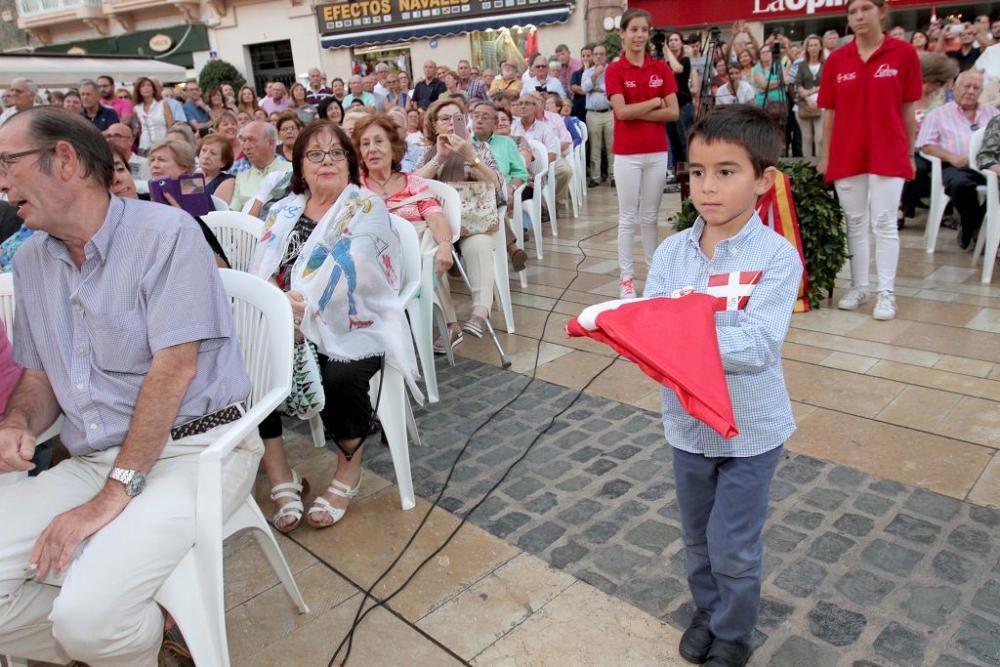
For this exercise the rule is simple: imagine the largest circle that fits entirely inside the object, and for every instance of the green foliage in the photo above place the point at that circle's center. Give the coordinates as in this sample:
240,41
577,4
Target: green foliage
217,72
613,43
824,242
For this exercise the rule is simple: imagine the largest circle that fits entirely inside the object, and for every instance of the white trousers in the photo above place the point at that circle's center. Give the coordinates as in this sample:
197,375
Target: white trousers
640,180
477,258
101,610
870,202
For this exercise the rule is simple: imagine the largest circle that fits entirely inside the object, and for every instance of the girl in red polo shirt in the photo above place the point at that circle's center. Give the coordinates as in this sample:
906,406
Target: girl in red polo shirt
868,88
643,96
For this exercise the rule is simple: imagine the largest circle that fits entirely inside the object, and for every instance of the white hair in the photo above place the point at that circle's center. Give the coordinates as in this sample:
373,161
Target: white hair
28,83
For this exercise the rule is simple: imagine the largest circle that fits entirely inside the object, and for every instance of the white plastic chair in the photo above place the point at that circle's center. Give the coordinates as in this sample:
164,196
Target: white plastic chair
517,226
989,233
392,405
193,593
419,304
581,159
452,204
238,234
549,186
542,176
939,202
220,203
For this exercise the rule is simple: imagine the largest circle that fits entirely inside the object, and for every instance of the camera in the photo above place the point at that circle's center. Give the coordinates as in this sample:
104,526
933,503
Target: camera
775,50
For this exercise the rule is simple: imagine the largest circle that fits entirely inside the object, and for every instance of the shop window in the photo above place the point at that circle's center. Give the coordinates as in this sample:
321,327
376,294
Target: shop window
364,60
492,47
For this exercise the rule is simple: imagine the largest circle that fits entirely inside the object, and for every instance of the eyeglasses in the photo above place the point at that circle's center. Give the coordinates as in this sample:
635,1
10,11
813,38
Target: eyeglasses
974,127
7,160
541,66
448,118
317,156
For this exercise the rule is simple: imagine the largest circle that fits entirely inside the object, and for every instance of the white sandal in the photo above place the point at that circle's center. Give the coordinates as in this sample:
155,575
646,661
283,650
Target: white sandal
293,492
322,506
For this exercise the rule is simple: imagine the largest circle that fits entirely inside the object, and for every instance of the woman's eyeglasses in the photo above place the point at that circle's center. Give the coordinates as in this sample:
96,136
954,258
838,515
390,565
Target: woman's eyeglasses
317,156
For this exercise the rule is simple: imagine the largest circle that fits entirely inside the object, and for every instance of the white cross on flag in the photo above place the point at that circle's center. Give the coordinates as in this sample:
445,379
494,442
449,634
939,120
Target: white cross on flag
733,289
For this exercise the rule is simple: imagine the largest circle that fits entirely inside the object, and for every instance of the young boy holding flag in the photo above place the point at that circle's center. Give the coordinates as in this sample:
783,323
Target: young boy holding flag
723,484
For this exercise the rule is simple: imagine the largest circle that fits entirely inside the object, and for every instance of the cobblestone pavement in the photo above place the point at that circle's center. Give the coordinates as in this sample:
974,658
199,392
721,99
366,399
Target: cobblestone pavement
860,571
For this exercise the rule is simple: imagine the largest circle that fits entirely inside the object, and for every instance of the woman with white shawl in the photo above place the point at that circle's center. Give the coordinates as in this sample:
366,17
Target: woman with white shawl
332,247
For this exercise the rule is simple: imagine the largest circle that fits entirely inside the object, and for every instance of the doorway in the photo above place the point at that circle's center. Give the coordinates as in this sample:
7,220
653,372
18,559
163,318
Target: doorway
272,61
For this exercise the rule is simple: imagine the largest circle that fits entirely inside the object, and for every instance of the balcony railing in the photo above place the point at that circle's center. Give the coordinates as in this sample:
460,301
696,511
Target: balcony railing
29,8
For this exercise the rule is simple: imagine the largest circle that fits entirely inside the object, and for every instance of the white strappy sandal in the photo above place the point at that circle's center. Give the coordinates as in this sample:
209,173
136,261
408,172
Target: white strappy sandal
322,506
293,492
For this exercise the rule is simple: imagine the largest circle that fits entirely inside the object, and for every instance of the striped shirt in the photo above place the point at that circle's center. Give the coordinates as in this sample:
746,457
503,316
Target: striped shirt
749,339
149,281
947,127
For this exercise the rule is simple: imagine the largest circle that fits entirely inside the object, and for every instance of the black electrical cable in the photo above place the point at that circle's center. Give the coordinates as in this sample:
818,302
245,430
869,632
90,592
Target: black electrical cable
362,612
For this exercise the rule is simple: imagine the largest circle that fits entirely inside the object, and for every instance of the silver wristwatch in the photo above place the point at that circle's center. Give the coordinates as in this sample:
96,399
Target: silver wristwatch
133,480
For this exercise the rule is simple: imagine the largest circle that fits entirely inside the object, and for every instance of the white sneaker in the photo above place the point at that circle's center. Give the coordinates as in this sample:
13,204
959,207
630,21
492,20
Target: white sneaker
885,306
625,289
854,298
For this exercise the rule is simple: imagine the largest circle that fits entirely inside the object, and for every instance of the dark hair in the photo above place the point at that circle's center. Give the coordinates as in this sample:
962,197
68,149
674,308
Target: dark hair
324,107
635,13
136,97
105,76
397,145
48,125
878,3
286,116
745,125
302,143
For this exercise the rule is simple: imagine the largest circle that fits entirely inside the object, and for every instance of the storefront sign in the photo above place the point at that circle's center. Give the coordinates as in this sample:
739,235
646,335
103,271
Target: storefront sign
350,15
160,42
685,13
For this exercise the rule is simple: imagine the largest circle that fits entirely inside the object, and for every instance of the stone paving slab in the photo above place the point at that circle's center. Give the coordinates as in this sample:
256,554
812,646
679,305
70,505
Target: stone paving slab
859,571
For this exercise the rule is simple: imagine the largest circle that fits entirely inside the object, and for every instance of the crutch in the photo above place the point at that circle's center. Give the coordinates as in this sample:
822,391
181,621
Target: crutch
504,360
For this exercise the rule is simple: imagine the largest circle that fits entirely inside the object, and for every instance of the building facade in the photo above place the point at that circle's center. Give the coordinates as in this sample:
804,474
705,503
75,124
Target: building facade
283,39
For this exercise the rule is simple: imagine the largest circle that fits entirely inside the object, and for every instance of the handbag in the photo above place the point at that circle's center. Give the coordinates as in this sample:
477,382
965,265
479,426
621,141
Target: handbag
307,398
808,112
479,207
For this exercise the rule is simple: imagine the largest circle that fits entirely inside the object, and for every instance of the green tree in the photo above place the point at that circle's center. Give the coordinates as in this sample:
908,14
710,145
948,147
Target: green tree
217,72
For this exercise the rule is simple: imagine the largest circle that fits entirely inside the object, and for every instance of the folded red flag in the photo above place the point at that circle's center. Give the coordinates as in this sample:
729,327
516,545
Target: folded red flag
673,341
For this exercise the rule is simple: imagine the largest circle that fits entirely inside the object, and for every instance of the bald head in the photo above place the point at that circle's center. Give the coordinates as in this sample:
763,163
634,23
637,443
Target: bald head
120,136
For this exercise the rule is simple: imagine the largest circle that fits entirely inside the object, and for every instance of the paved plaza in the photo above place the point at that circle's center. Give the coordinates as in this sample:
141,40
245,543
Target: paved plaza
881,544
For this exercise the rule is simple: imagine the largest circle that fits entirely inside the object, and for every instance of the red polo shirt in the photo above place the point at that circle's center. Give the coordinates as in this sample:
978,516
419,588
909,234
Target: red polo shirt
638,84
869,135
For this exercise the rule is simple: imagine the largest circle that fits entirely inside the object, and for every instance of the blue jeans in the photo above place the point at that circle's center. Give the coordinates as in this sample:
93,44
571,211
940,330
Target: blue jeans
723,504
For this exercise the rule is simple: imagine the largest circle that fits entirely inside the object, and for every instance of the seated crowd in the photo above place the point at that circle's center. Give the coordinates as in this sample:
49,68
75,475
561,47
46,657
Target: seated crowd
142,395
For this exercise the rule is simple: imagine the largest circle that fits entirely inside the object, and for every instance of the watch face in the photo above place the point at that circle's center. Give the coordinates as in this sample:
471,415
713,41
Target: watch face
135,485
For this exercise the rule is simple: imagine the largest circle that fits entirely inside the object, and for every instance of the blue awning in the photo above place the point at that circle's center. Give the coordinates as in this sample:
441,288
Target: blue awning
444,28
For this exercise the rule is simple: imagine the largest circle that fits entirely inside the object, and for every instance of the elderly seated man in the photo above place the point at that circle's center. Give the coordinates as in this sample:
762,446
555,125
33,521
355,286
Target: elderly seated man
946,133
122,326
259,141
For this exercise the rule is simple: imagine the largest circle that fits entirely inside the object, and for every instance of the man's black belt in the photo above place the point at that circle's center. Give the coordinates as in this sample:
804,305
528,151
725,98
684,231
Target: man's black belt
207,423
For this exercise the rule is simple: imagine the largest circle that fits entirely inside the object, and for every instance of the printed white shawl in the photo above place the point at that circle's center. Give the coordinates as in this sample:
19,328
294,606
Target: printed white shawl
349,273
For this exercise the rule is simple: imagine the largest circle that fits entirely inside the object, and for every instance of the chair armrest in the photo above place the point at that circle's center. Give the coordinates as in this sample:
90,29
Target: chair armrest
245,425
518,191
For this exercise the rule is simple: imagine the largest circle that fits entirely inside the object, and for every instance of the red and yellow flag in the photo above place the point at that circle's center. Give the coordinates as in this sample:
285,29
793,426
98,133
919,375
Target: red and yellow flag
777,210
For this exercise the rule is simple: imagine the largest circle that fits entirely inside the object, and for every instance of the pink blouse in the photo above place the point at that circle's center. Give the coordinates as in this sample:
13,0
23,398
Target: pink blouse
417,211
10,370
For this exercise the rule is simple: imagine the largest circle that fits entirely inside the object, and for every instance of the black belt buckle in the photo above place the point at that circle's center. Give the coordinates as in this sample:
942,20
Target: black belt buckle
207,423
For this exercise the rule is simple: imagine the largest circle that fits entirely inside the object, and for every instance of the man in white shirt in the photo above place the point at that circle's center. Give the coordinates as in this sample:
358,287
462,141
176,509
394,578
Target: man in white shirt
535,123
743,93
537,78
21,94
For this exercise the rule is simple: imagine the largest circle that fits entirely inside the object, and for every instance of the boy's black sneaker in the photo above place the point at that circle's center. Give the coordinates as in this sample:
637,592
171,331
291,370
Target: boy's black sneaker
727,654
697,639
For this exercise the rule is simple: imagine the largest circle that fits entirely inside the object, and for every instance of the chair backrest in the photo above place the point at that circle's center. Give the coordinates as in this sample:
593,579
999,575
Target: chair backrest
263,319
541,155
238,234
7,303
975,143
452,204
410,248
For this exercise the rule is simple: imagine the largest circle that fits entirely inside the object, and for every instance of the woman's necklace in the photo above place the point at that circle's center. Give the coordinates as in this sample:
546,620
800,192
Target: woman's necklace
383,185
